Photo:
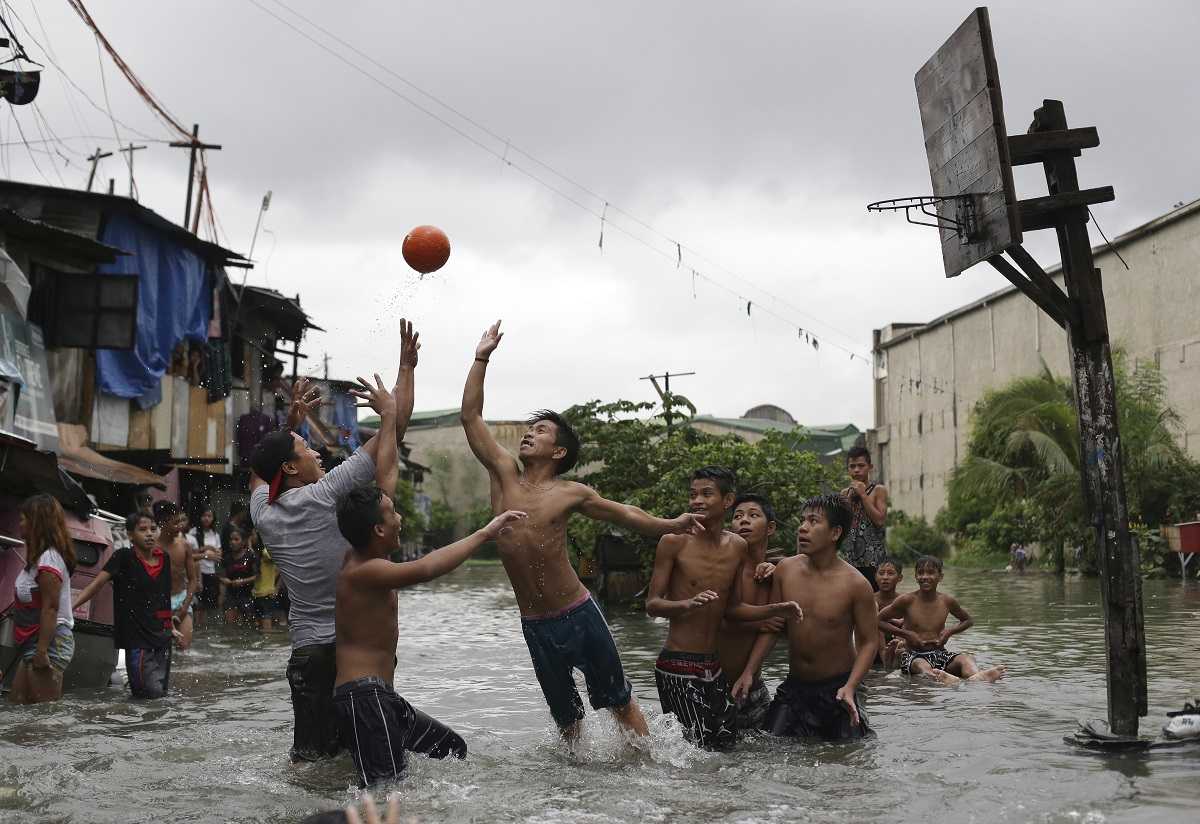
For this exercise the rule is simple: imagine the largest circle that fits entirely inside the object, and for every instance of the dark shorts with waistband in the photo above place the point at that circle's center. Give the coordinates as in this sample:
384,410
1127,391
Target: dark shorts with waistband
311,673
380,728
753,710
810,709
576,638
693,688
939,658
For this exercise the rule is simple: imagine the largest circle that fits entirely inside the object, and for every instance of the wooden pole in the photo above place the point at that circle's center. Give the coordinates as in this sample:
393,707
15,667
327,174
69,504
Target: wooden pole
95,161
1099,442
193,145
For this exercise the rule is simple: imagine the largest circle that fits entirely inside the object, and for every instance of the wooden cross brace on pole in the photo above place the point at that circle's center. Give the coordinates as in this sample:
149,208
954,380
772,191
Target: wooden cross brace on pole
1081,312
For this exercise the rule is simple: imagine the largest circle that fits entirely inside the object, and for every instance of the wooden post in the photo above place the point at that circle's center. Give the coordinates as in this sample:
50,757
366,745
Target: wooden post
193,145
1099,441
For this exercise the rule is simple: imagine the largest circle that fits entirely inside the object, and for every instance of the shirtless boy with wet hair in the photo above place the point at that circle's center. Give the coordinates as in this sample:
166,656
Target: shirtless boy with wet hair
375,723
925,633
888,576
754,521
185,569
563,626
697,582
820,696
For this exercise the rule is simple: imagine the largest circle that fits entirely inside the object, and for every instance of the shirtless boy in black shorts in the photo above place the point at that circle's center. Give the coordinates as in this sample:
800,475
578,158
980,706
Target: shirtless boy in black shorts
820,696
697,581
563,626
888,576
755,523
925,633
376,724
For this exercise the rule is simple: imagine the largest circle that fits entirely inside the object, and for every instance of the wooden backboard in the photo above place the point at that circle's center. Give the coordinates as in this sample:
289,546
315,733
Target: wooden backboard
962,117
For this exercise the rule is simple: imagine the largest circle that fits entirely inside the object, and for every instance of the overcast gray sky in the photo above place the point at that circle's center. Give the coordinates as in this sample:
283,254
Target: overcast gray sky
754,133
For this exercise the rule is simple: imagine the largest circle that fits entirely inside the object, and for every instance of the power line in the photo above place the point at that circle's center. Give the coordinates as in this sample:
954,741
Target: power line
677,247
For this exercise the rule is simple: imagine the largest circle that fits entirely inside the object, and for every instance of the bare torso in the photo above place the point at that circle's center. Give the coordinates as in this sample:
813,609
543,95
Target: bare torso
735,639
367,628
703,564
181,557
534,550
822,645
925,615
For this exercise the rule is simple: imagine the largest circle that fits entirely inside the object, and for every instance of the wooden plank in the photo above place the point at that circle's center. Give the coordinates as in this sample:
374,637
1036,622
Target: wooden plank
960,130
160,418
1033,147
139,427
1049,211
954,75
1055,307
179,416
197,432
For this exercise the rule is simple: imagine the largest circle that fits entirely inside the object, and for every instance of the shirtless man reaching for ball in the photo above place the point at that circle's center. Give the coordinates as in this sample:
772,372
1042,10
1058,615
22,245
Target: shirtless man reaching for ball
563,626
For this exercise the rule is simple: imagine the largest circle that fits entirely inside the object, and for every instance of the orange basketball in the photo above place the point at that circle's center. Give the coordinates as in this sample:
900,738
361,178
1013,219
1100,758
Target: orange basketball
426,249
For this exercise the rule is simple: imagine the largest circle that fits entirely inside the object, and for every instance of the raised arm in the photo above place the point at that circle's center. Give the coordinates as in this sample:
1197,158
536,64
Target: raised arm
89,591
383,573
601,509
405,389
489,452
657,602
965,621
382,448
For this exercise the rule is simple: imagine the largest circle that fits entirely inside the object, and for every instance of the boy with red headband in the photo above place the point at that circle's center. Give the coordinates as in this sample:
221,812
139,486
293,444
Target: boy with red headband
294,507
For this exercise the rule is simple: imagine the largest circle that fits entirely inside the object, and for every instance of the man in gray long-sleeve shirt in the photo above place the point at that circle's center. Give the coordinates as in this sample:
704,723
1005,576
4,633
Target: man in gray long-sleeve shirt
293,504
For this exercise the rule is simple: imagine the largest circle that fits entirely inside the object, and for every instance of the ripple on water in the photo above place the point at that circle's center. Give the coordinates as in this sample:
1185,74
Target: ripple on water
216,749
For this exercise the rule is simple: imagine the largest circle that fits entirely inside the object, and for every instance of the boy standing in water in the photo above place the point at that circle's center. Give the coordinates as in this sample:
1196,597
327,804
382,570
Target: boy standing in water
141,576
754,522
820,696
864,545
185,568
375,723
888,575
563,626
294,506
696,583
924,630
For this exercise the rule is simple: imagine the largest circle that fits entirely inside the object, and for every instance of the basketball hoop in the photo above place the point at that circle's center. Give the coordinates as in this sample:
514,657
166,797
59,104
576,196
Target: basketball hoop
964,223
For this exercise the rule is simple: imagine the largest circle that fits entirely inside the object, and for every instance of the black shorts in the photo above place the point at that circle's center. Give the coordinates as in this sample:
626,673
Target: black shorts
379,728
939,659
264,605
810,709
240,598
578,638
210,590
693,688
311,673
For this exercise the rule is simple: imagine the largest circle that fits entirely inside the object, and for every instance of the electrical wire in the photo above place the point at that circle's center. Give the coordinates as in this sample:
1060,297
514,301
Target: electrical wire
600,215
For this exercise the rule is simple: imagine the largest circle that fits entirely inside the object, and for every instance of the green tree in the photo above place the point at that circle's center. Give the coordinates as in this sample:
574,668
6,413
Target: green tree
440,529
412,526
1020,480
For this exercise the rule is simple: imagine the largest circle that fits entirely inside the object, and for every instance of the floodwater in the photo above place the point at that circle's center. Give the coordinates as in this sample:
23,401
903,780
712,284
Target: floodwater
216,749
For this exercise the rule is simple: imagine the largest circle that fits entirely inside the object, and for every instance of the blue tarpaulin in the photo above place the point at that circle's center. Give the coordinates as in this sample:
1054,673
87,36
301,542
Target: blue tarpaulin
174,303
345,419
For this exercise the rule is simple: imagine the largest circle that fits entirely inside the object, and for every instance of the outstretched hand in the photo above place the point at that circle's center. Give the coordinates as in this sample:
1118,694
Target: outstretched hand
372,814
688,523
305,399
489,341
377,397
410,345
502,523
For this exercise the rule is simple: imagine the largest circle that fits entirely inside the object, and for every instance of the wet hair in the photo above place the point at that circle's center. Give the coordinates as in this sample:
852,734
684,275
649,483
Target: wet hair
894,561
46,529
135,518
835,510
927,562
761,500
164,512
858,452
564,436
725,479
358,514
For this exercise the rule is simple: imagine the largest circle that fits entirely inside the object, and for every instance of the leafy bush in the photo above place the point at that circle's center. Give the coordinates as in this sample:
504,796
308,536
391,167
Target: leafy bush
910,538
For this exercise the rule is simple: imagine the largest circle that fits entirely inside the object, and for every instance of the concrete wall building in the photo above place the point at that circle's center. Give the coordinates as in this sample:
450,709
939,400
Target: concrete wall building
928,377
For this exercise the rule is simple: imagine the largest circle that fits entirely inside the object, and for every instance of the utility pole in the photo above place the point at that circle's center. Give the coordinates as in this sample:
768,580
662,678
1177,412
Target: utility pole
326,359
95,160
131,149
194,144
664,392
